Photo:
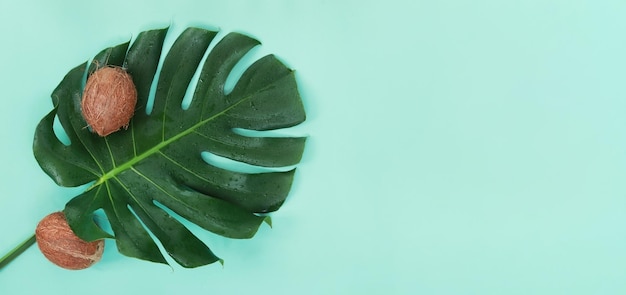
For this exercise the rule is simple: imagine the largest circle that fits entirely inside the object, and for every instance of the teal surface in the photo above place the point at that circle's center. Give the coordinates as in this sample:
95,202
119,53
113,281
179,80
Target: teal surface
455,147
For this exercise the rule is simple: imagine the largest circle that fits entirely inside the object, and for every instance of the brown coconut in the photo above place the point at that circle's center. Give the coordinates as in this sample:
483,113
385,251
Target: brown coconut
62,247
109,100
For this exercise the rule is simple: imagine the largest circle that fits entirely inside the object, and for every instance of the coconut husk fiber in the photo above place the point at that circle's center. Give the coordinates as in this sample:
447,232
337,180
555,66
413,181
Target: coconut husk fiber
109,100
61,246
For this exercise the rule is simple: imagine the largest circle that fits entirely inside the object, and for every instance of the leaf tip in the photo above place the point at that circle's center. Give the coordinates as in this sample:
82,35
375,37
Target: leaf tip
268,220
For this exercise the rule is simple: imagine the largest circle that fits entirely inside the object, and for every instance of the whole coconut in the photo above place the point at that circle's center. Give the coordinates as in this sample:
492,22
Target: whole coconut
109,100
61,246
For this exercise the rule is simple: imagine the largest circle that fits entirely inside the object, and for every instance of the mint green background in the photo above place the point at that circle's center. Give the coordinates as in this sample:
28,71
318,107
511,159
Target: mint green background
456,147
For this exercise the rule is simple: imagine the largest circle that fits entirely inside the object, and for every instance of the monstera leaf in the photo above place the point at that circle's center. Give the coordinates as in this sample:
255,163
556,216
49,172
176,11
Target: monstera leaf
154,167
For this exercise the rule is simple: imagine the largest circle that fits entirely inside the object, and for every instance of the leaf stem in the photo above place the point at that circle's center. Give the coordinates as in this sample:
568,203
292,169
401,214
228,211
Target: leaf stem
6,259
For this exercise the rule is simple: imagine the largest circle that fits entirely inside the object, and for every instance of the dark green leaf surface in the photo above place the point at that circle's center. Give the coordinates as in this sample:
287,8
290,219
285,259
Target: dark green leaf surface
156,163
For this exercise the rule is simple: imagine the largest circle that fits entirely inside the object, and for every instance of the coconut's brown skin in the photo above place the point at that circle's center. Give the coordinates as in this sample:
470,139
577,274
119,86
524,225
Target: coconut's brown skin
109,100
62,247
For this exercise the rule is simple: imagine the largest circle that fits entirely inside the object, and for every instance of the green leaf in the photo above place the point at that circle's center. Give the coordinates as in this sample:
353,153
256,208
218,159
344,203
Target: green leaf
138,175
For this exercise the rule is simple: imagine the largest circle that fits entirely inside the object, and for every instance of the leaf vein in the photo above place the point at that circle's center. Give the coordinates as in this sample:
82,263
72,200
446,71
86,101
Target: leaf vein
149,180
133,196
132,137
201,134
106,141
183,167
95,159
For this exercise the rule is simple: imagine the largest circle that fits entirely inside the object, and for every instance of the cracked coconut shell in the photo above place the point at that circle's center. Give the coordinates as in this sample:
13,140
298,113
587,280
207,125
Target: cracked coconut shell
62,247
109,100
